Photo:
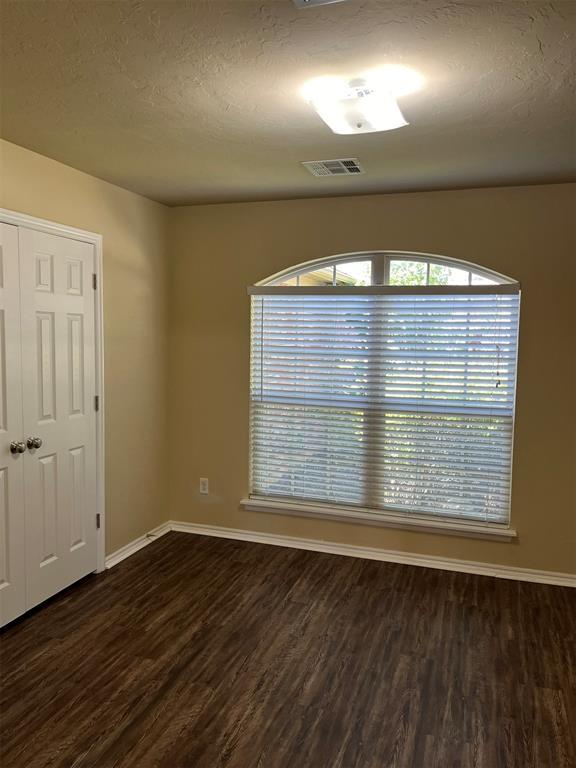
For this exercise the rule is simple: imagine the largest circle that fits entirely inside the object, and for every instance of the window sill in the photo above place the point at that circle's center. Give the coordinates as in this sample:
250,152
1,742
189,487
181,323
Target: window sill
362,515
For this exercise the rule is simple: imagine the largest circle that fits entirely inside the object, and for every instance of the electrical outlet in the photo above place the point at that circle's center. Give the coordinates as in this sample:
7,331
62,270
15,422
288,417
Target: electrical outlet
204,485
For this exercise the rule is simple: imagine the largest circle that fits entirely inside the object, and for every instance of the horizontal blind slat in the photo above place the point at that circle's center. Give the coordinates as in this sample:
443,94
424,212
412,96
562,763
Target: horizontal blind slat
390,401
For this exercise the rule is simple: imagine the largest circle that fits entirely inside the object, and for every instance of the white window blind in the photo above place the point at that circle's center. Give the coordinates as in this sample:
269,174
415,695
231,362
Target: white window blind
396,399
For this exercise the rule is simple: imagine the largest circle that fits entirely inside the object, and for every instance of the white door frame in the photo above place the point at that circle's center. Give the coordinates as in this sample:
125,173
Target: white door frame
52,228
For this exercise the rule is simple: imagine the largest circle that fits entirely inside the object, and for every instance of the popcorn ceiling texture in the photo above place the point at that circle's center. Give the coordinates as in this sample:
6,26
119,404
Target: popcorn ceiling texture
189,102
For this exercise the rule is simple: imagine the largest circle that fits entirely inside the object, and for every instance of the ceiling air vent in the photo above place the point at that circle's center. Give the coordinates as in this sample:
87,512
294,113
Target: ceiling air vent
349,165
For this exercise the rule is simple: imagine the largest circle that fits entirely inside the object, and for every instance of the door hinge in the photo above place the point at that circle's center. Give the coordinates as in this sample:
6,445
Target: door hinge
98,520
96,402
94,280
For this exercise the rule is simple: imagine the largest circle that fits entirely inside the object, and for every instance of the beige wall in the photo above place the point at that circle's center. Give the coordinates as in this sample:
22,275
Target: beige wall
202,258
217,251
135,324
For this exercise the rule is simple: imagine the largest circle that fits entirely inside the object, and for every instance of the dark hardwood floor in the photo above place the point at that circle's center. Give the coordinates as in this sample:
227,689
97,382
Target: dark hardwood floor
204,653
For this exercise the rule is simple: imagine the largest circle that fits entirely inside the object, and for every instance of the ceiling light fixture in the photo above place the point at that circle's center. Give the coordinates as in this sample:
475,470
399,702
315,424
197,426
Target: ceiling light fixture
364,104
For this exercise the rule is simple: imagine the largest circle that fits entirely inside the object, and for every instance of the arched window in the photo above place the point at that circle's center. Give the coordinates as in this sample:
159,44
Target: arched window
382,390
386,268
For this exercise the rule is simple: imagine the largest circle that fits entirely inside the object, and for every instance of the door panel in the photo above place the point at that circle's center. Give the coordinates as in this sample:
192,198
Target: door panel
12,532
58,364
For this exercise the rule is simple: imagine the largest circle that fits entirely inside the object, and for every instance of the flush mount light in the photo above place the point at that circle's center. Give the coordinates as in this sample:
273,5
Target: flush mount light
365,104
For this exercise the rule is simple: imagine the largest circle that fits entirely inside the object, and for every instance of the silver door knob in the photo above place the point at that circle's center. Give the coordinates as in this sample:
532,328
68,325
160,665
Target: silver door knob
17,446
34,442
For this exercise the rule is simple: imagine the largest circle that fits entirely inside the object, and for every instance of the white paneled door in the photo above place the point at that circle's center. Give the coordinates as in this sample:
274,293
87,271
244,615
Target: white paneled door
56,516
12,530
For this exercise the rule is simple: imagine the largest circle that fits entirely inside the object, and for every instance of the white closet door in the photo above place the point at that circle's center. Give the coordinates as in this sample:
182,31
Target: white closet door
58,374
12,533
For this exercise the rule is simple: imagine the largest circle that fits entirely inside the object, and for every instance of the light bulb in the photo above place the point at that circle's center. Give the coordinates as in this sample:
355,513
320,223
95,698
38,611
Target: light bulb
395,78
324,88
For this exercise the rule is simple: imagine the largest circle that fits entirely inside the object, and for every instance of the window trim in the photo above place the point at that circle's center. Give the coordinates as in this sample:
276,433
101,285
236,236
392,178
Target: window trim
381,266
381,517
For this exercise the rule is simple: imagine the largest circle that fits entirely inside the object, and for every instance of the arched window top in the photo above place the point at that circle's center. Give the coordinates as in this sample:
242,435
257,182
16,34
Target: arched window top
386,268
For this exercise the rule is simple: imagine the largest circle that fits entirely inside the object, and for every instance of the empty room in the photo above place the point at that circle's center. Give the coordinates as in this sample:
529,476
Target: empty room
287,384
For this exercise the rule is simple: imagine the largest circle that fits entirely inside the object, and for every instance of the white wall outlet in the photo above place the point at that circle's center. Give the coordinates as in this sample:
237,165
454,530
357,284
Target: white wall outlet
204,486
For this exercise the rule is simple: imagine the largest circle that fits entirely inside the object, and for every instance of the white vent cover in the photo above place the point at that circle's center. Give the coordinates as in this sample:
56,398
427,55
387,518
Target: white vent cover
345,167
310,3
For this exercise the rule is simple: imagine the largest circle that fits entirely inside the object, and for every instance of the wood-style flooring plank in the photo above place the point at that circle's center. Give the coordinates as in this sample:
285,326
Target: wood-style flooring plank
208,653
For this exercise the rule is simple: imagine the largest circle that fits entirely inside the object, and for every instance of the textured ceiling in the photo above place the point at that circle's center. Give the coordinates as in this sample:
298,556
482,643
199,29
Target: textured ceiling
189,102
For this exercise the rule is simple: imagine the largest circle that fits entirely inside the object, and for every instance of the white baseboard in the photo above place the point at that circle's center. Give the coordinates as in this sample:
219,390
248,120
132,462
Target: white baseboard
133,546
349,550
